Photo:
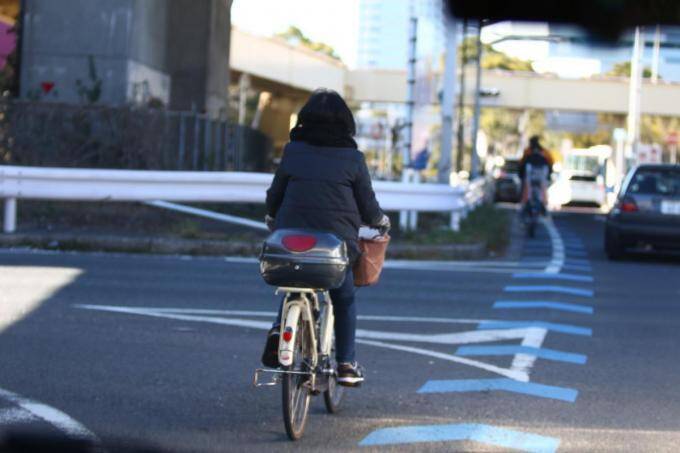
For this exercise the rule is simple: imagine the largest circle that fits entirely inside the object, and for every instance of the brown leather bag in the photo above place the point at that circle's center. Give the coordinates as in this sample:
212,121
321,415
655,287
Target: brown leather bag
369,265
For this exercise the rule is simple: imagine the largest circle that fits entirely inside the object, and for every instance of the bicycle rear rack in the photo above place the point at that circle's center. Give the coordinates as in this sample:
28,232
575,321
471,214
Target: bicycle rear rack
276,376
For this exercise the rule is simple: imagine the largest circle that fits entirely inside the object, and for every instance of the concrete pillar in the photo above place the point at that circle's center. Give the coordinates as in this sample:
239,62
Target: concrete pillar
198,54
455,221
10,220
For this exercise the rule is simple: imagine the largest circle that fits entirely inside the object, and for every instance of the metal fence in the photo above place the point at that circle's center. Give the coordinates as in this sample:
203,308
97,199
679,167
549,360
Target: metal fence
64,135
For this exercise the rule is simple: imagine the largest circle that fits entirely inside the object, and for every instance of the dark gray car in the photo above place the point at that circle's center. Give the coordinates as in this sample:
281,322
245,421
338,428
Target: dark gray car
508,186
647,211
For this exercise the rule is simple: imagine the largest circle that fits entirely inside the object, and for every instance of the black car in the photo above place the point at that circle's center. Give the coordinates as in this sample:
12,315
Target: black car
647,211
507,183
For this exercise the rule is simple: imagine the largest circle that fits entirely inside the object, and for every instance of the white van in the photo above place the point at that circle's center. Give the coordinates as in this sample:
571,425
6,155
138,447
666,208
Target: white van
582,177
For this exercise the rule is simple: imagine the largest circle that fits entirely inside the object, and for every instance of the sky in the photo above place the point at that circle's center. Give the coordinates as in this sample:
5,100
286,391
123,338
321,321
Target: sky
331,21
335,22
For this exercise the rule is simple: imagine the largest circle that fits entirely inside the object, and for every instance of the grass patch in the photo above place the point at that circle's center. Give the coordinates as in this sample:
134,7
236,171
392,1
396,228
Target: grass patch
487,224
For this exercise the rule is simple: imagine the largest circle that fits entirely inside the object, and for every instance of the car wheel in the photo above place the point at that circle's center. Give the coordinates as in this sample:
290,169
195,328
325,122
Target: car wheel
612,245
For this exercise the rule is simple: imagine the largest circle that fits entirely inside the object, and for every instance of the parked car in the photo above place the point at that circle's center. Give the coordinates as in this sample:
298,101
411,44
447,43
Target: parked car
507,183
647,211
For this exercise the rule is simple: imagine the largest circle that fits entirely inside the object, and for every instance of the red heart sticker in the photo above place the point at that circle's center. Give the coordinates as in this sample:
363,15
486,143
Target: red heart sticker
47,87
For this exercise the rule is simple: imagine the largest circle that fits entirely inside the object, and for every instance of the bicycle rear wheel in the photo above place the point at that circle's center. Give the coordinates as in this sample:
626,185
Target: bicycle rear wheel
296,391
532,227
332,397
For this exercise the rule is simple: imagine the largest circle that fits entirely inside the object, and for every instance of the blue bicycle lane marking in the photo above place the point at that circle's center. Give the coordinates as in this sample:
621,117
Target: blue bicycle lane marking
493,435
500,384
487,434
571,291
547,304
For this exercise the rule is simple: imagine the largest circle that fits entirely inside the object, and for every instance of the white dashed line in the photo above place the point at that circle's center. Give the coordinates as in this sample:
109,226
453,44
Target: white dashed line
29,410
557,260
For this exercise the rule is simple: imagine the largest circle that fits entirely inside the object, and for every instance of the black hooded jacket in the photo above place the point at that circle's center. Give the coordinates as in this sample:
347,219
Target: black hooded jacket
323,188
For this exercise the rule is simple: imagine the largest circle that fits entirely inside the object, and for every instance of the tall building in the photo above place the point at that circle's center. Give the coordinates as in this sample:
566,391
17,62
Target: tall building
384,28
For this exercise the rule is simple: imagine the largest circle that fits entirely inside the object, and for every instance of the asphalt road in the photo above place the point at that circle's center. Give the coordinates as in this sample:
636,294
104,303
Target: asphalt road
158,353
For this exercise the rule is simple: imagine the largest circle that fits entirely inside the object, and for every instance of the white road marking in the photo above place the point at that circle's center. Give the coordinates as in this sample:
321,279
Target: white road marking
517,375
421,319
205,311
534,338
472,336
12,415
531,336
51,415
557,261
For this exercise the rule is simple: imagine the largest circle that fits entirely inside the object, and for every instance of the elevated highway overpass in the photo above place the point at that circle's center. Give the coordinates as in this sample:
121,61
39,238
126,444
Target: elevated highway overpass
293,71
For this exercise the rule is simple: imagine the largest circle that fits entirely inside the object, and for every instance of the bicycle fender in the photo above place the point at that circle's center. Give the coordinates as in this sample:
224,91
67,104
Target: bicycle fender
286,347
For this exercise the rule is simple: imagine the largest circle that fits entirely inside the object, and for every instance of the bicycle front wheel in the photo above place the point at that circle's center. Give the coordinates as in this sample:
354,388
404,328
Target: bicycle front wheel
296,391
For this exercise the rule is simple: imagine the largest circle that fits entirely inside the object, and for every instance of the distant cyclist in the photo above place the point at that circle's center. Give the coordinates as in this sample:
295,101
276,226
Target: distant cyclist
323,184
535,165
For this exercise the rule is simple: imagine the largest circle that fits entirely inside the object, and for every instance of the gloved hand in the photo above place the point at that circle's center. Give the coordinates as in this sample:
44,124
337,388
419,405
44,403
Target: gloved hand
269,221
384,225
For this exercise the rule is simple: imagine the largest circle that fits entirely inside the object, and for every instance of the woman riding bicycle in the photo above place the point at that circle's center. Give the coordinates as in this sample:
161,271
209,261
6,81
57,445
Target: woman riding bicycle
323,184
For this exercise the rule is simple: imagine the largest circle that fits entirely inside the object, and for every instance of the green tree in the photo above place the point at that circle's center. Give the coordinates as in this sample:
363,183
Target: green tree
295,36
622,69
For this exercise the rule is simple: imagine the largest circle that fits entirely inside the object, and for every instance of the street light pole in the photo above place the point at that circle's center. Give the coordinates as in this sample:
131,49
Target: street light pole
461,103
448,100
634,91
474,162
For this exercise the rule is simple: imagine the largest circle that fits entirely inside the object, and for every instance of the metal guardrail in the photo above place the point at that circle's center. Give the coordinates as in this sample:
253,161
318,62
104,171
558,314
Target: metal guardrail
41,183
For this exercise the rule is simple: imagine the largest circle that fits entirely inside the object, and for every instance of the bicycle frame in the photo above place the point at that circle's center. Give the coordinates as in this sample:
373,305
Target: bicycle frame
305,303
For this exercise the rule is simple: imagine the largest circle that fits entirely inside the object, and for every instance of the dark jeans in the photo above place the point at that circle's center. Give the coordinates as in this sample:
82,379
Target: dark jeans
345,312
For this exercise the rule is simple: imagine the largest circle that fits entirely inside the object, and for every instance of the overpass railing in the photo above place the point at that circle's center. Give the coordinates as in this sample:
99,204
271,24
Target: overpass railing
163,188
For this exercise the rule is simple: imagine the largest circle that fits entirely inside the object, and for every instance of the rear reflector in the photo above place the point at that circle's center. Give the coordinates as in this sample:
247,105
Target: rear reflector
298,242
287,334
628,206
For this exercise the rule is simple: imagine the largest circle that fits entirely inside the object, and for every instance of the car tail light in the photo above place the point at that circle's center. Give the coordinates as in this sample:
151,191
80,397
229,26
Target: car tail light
298,242
628,205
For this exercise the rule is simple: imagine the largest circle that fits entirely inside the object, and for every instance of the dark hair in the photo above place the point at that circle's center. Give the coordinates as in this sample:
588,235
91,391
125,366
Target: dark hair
535,143
325,120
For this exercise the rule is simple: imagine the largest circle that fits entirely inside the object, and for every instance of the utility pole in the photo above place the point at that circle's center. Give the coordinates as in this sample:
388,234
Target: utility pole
461,103
409,219
474,162
634,92
656,55
448,101
410,94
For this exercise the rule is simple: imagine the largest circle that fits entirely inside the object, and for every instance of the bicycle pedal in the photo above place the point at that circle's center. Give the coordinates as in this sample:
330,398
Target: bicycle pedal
276,378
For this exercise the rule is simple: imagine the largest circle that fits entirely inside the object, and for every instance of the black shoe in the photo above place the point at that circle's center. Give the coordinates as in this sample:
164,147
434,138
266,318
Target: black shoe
270,356
350,374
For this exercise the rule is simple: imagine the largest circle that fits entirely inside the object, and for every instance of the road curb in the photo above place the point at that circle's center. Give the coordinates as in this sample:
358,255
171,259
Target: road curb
206,247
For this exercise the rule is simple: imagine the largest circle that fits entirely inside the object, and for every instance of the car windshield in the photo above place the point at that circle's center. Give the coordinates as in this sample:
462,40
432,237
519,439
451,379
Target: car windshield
589,164
655,182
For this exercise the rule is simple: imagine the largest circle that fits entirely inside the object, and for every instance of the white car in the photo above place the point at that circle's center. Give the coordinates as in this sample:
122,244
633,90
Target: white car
574,186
